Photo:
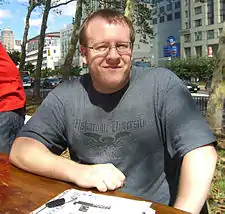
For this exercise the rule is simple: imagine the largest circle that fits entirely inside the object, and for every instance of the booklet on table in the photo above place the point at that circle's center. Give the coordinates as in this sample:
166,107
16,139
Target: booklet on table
74,201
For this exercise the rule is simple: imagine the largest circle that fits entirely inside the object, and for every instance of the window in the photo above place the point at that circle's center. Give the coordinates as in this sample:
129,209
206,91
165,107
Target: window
198,36
169,7
222,11
187,52
177,15
161,10
198,50
210,34
187,38
169,17
161,19
222,18
210,21
177,5
186,2
198,10
198,23
219,32
54,51
154,21
186,13
186,25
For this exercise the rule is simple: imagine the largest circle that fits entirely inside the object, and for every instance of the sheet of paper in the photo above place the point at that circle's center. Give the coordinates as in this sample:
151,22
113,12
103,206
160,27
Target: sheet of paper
80,202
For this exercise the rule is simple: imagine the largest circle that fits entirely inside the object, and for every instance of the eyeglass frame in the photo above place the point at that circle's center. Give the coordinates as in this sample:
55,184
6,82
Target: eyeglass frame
111,46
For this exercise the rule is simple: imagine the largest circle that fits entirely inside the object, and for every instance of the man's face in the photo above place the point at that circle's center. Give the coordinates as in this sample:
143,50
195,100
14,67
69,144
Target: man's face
109,70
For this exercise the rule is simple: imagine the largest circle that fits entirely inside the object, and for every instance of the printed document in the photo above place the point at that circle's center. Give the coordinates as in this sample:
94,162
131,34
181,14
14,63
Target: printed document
81,202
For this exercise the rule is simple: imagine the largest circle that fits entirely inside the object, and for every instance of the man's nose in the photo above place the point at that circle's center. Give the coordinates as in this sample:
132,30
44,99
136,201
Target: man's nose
113,53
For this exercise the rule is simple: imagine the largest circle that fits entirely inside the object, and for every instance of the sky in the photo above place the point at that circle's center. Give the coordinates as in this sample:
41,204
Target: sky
13,14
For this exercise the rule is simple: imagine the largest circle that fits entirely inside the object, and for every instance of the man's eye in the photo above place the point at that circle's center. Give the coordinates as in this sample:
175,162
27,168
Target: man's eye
101,47
122,46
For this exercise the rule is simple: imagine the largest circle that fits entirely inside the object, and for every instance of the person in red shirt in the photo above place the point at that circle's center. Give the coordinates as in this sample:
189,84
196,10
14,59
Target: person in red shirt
12,101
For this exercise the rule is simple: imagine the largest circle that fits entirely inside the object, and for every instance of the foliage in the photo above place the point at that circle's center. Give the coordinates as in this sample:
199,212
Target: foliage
47,72
15,56
201,67
30,67
142,15
76,71
142,18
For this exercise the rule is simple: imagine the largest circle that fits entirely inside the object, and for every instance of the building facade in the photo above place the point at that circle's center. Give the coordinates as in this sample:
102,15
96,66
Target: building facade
17,45
65,37
201,27
166,20
7,38
51,52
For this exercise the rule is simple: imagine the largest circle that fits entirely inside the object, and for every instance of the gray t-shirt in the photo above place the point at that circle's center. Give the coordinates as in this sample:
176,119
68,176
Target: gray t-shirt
145,129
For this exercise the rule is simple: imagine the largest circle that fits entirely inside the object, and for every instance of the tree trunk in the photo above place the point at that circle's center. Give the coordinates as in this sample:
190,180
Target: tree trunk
129,10
67,66
41,43
26,29
215,114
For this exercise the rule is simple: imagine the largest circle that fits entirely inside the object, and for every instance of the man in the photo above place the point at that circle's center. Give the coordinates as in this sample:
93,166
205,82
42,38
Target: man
130,130
12,101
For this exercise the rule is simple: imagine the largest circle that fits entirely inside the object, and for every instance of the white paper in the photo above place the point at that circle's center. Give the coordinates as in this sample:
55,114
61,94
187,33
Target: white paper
81,202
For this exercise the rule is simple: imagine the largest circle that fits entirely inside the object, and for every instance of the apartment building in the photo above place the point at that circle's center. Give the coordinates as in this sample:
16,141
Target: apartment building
201,27
51,53
65,37
7,39
166,20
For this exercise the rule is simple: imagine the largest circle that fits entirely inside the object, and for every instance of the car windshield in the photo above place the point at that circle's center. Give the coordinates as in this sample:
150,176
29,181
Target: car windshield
54,80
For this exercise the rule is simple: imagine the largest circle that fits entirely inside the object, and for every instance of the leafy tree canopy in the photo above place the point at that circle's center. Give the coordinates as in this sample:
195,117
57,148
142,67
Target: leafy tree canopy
15,56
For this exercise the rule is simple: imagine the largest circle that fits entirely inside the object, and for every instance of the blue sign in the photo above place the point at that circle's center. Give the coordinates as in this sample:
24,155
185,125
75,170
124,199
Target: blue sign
171,51
166,51
171,40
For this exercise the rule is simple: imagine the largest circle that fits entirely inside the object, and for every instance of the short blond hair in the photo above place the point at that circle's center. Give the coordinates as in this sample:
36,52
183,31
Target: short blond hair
112,16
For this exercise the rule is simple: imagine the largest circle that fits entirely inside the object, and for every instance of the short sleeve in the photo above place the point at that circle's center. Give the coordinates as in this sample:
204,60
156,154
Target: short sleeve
184,127
47,125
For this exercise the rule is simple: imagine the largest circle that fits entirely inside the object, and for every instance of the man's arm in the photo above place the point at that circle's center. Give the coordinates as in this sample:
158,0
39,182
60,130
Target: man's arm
33,156
195,178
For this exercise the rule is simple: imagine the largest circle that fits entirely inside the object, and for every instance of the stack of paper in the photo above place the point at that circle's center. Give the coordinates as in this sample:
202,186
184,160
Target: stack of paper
78,202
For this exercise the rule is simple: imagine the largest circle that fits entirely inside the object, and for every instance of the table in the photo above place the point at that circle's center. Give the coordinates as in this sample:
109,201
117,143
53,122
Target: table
22,192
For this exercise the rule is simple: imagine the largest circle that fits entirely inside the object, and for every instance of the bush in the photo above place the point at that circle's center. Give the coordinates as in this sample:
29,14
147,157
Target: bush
201,67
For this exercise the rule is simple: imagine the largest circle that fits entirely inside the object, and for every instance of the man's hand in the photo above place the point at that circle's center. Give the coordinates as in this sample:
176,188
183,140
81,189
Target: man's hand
102,176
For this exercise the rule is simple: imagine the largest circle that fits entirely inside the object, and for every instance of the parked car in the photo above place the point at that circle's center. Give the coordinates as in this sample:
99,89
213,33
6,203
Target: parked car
192,87
51,82
26,82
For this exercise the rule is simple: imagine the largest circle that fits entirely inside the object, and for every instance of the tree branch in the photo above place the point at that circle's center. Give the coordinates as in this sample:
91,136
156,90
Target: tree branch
64,3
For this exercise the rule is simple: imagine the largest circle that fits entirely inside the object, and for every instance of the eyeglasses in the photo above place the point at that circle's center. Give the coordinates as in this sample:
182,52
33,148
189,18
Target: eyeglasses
121,47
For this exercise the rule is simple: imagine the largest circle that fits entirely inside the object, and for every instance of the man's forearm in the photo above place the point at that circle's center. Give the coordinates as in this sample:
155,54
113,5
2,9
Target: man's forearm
34,157
195,178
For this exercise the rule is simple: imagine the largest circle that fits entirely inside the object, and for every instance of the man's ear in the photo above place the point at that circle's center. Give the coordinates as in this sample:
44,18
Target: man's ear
83,51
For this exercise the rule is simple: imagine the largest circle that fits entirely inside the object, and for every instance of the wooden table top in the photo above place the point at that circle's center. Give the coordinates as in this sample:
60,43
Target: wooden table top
22,192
